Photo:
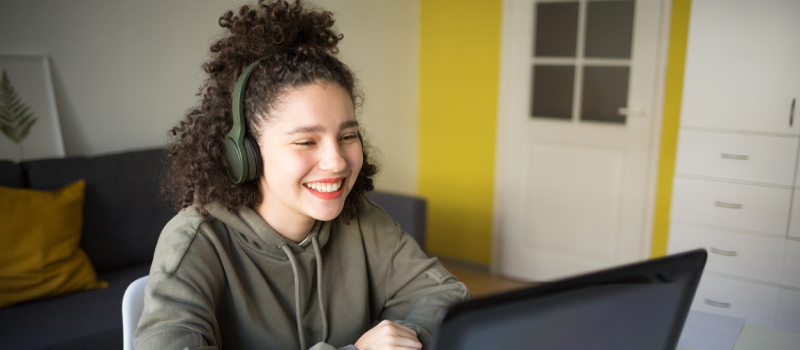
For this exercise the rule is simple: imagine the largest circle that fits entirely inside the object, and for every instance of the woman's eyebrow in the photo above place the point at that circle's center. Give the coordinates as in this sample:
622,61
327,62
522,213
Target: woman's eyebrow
348,124
306,129
319,128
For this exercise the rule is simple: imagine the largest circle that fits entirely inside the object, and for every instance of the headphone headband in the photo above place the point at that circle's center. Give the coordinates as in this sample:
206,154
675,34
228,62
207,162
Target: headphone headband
238,93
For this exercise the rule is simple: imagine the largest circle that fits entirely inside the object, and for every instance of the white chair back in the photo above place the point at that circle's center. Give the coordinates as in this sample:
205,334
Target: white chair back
132,307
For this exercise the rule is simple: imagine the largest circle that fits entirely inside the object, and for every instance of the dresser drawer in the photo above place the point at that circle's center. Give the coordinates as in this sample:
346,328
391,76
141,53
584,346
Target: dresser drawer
768,159
749,207
788,314
791,264
757,303
733,253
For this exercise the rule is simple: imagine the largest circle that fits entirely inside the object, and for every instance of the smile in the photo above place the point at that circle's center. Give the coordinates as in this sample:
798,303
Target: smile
326,188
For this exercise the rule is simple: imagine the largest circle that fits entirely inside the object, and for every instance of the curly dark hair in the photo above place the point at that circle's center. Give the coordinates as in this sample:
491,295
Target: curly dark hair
299,47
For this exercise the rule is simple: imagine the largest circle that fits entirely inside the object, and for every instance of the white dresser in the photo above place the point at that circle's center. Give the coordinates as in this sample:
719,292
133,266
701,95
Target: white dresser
736,190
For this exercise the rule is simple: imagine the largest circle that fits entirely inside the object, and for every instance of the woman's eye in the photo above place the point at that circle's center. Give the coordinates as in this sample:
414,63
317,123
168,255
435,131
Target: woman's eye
304,143
348,137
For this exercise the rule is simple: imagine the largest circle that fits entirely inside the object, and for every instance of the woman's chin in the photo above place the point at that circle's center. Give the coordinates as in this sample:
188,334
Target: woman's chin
326,209
327,213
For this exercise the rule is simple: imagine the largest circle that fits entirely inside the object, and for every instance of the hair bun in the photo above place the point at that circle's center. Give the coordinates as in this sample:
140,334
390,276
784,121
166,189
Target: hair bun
276,26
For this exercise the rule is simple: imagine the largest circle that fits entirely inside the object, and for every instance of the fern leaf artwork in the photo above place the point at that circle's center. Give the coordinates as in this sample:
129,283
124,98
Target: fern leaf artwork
16,118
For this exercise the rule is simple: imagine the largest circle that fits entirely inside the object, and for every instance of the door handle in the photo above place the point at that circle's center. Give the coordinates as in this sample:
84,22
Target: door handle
631,111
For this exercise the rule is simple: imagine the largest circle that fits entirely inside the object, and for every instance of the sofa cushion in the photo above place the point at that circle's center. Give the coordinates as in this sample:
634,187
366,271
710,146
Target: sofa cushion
11,174
84,320
123,212
39,238
408,211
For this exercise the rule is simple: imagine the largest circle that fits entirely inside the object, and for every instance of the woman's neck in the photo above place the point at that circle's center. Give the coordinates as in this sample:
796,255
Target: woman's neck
290,225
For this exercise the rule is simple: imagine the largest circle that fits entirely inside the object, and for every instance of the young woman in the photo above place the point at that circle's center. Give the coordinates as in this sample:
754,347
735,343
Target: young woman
276,245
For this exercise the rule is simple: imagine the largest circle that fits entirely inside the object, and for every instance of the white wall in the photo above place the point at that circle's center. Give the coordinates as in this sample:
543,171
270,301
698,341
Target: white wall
125,71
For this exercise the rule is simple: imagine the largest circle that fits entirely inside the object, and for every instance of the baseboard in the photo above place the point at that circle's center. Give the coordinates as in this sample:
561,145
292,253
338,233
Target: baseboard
477,267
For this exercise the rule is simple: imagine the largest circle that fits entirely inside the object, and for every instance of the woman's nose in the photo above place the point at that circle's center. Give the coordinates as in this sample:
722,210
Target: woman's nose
332,158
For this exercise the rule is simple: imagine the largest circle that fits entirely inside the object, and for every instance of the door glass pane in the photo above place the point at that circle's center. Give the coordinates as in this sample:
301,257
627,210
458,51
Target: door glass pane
605,91
552,91
609,29
556,29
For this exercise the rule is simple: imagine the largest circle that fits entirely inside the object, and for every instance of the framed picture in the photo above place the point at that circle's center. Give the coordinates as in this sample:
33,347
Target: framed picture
29,126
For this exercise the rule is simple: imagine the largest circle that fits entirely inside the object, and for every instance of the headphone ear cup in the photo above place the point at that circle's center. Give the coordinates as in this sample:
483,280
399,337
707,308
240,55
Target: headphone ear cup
253,157
235,158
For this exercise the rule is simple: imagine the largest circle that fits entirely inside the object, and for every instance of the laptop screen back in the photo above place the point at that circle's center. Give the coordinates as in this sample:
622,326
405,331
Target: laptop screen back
640,306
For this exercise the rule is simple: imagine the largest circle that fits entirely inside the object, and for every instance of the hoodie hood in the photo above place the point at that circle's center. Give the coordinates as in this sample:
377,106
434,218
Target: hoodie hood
260,236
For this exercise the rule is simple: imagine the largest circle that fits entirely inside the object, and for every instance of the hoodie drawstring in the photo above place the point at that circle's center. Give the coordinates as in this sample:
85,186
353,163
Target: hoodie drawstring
297,310
315,244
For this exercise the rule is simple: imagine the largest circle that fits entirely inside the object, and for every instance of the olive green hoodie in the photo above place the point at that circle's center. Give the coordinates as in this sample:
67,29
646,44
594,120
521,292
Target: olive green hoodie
229,281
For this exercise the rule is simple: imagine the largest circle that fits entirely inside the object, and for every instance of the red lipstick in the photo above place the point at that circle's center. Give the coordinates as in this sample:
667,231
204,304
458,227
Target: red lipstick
329,180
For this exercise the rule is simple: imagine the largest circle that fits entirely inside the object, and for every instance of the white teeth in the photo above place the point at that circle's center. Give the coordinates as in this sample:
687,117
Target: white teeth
324,187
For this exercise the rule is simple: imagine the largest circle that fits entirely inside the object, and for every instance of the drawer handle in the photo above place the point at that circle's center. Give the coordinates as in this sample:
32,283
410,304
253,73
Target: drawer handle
734,156
728,205
723,252
716,303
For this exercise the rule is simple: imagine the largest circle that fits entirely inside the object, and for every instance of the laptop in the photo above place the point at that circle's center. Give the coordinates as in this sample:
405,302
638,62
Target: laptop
641,306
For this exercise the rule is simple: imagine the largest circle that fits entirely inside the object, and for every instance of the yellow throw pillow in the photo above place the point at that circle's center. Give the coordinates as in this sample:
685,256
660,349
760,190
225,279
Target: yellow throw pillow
39,236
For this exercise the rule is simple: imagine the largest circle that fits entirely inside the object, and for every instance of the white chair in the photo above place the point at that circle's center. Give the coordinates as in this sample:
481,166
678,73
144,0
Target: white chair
132,307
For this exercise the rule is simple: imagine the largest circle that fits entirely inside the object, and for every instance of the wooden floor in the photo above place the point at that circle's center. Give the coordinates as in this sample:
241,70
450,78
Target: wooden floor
478,279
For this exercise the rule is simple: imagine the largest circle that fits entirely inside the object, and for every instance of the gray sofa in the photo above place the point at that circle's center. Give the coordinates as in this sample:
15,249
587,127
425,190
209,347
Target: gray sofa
123,216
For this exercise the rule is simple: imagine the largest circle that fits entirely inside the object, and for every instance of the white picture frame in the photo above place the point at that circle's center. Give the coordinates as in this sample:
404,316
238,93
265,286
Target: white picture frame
31,80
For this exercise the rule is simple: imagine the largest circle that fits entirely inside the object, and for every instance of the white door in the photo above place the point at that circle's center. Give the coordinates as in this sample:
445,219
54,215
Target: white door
576,135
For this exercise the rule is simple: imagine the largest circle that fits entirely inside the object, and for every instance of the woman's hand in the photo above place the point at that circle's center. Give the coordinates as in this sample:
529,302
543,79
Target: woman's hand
388,335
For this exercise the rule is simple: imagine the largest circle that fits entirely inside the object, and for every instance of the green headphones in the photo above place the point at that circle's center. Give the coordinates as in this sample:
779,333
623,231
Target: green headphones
241,149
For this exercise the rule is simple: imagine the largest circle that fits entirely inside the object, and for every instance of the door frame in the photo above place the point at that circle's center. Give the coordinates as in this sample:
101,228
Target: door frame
655,132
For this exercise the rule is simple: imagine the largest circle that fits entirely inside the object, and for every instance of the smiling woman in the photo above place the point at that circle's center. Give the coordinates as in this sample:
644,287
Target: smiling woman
275,245
292,50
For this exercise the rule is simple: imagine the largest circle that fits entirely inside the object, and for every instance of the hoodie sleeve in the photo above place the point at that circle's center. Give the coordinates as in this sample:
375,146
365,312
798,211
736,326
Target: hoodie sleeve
180,293
175,317
417,288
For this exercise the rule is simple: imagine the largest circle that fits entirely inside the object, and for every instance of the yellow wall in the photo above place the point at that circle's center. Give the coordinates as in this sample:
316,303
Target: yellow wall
459,60
679,31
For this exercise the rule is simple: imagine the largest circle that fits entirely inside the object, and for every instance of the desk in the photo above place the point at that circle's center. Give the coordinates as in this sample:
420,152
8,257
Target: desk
762,338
